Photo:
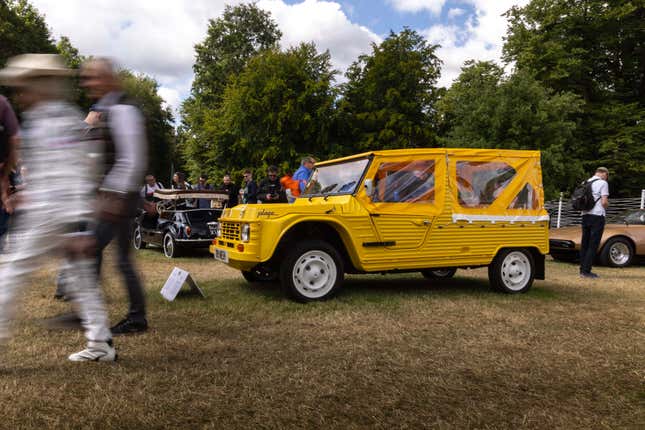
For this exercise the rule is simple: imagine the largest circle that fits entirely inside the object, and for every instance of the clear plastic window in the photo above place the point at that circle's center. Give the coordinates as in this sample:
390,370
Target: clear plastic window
525,199
405,182
480,183
341,178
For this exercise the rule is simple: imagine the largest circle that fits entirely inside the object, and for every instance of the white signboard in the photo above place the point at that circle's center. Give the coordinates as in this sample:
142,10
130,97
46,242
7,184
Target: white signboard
175,281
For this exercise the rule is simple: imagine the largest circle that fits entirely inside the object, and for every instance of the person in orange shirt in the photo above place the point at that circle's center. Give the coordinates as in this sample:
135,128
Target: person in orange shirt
288,183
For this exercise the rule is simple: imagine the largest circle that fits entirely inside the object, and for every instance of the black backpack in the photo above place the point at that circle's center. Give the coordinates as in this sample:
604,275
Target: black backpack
582,197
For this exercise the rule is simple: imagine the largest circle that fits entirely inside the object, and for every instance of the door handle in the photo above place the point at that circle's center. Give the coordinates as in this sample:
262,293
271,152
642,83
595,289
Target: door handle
420,222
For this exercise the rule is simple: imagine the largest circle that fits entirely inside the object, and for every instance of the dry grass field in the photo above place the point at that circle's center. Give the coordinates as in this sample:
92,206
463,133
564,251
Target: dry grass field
388,352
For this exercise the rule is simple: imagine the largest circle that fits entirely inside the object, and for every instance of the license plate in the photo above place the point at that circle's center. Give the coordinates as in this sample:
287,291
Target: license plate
221,255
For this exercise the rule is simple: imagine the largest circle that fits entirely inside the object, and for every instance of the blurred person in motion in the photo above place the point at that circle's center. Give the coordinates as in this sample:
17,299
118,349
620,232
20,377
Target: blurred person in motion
8,145
55,211
123,132
303,173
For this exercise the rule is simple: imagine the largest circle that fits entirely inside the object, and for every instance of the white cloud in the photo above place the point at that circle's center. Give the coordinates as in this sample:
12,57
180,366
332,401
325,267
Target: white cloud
325,24
455,12
158,38
481,38
433,6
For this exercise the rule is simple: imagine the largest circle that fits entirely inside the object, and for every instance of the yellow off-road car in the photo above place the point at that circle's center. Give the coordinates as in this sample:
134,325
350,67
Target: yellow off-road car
428,210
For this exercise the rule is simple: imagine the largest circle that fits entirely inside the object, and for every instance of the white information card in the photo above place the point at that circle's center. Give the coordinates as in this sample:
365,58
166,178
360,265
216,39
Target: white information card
175,281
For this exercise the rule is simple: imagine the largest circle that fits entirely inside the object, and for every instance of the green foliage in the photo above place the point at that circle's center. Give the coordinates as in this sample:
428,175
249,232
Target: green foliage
595,49
240,33
22,30
485,109
278,109
390,94
159,122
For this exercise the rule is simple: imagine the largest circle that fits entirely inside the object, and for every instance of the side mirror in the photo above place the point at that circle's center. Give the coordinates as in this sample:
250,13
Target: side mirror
369,187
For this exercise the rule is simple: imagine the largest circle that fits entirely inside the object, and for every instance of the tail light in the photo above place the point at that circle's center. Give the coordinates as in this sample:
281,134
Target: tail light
188,230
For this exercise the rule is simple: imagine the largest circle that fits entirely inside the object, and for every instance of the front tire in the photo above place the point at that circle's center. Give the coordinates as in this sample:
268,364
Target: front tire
137,238
512,271
617,252
445,273
313,270
169,246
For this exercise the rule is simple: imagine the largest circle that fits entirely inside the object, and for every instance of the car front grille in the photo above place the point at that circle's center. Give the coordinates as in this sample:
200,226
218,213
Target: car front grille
230,230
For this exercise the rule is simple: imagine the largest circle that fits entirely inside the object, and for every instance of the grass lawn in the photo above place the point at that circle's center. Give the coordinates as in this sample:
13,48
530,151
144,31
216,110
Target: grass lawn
388,352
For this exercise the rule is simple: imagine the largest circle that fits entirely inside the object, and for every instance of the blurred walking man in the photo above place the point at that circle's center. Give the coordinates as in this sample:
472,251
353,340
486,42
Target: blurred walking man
55,210
126,161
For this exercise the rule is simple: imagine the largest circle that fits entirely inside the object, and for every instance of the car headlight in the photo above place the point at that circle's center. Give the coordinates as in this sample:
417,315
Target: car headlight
245,233
218,229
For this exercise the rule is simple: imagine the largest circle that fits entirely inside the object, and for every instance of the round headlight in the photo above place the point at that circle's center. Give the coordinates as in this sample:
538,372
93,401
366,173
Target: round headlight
245,233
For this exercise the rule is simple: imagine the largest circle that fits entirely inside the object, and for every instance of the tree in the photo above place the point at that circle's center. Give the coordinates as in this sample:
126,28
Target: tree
388,100
22,30
240,33
278,109
159,121
485,109
595,49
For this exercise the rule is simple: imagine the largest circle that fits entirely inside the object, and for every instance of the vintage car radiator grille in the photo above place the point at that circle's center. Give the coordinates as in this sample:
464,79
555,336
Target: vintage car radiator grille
230,230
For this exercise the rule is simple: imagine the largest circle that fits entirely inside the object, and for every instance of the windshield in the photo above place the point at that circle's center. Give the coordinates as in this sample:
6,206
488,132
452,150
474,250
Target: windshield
341,178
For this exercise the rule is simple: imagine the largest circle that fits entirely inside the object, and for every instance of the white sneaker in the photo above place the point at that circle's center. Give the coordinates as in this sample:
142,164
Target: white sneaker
95,351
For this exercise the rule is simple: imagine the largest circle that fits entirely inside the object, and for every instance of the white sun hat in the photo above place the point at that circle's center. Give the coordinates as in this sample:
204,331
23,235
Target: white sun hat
29,66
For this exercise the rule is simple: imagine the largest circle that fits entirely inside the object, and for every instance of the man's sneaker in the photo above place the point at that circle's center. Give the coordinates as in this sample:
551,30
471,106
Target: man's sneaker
129,326
69,321
590,275
95,351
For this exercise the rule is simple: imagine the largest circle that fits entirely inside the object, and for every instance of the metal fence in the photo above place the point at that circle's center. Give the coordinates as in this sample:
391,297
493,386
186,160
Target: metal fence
562,214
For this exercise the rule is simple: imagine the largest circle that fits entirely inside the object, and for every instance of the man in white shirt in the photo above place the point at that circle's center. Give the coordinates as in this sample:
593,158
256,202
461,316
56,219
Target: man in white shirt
593,222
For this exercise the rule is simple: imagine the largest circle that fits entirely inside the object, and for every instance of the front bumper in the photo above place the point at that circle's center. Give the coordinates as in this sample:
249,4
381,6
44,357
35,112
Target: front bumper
241,256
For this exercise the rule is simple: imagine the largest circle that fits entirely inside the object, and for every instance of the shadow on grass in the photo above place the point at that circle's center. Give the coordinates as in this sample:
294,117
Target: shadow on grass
378,288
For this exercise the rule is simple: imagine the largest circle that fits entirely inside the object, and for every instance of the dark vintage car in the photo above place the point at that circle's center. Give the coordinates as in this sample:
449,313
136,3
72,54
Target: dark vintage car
623,240
173,223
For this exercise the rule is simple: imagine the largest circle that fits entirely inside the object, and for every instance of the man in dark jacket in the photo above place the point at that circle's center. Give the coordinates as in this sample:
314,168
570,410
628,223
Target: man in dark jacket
249,191
270,190
230,187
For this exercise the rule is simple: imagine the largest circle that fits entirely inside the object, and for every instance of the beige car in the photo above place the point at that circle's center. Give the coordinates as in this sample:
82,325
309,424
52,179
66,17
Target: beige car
623,240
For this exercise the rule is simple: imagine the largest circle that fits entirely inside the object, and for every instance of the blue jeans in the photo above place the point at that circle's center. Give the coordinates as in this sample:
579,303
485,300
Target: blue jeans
592,228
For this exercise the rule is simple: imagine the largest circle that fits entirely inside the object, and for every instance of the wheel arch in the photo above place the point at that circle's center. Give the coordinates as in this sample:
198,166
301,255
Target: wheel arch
618,236
330,232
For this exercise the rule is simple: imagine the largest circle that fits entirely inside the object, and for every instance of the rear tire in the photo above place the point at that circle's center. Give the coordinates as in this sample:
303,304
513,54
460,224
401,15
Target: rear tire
617,252
445,273
512,271
313,270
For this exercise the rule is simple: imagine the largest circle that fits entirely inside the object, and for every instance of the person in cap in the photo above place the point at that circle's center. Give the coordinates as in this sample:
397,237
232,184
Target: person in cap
304,172
55,211
593,221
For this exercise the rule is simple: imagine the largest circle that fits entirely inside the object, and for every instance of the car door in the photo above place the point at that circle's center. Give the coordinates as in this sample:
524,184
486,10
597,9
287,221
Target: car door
403,201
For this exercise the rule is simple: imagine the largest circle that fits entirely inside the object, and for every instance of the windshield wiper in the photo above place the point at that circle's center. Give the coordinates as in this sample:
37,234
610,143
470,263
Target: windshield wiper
328,188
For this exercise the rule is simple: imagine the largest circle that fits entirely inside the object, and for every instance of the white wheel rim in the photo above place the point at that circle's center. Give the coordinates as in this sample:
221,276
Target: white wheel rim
619,253
168,246
314,274
516,271
137,238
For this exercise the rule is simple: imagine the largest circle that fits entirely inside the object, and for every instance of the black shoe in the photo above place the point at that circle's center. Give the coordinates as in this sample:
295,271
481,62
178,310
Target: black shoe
129,326
69,321
590,275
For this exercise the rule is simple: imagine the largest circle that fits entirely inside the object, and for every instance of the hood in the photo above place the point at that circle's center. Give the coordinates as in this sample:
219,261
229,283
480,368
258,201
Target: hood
303,206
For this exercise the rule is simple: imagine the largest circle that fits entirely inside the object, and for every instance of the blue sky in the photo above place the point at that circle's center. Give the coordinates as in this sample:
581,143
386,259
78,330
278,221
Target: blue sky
157,37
